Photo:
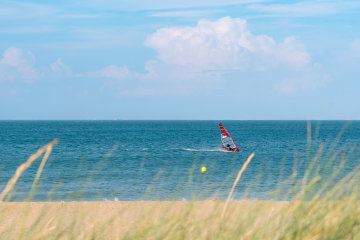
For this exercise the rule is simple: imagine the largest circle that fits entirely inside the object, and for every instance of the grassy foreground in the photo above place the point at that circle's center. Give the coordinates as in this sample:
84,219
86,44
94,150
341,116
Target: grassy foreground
319,208
181,220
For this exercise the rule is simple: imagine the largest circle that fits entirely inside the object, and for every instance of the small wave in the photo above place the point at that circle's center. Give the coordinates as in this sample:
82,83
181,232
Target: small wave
111,200
203,150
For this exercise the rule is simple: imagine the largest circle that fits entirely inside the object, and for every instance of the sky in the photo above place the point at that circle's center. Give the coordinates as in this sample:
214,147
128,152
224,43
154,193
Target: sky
180,59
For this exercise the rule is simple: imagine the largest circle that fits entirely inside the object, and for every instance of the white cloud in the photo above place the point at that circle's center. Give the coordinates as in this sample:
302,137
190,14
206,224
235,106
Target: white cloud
225,44
196,58
15,65
59,67
113,71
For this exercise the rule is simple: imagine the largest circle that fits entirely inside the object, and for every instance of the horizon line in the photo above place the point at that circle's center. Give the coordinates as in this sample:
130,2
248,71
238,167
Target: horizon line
179,119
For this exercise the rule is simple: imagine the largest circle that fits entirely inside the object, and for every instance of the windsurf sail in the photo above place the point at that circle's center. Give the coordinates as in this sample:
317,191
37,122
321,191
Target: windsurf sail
227,141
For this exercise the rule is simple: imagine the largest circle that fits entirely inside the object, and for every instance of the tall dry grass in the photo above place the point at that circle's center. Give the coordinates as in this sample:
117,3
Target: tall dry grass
46,150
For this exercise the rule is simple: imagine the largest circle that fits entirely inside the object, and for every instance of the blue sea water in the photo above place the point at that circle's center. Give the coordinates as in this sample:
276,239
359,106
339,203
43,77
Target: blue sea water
162,160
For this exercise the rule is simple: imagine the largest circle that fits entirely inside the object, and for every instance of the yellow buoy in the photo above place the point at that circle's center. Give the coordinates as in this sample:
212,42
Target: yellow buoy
203,169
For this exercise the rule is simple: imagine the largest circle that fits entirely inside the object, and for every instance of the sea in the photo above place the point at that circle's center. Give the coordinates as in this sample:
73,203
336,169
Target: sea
163,160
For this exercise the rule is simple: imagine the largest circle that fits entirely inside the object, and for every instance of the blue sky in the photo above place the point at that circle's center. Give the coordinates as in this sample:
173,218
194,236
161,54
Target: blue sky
250,59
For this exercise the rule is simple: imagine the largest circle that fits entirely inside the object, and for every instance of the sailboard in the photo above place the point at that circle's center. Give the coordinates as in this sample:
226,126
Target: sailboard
227,141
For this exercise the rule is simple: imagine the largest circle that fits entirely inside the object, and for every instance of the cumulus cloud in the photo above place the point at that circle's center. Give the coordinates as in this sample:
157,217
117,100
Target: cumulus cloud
225,44
15,65
113,71
197,58
60,67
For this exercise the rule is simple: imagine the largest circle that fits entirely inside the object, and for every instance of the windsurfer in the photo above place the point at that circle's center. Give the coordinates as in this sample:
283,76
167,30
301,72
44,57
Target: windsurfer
228,147
226,140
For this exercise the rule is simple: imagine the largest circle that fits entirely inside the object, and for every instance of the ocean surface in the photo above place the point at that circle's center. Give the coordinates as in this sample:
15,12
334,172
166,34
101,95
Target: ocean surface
162,160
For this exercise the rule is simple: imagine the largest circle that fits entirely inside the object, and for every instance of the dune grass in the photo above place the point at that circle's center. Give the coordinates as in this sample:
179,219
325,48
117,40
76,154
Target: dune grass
320,206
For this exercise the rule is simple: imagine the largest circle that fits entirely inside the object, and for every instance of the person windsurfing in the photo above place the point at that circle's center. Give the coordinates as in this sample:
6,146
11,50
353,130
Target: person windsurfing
229,147
226,140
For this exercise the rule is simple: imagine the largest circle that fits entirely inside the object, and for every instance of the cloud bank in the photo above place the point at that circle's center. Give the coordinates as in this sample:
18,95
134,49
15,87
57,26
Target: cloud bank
225,44
195,58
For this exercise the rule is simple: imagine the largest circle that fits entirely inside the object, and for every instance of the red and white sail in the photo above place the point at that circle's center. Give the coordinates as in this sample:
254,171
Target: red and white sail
227,141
